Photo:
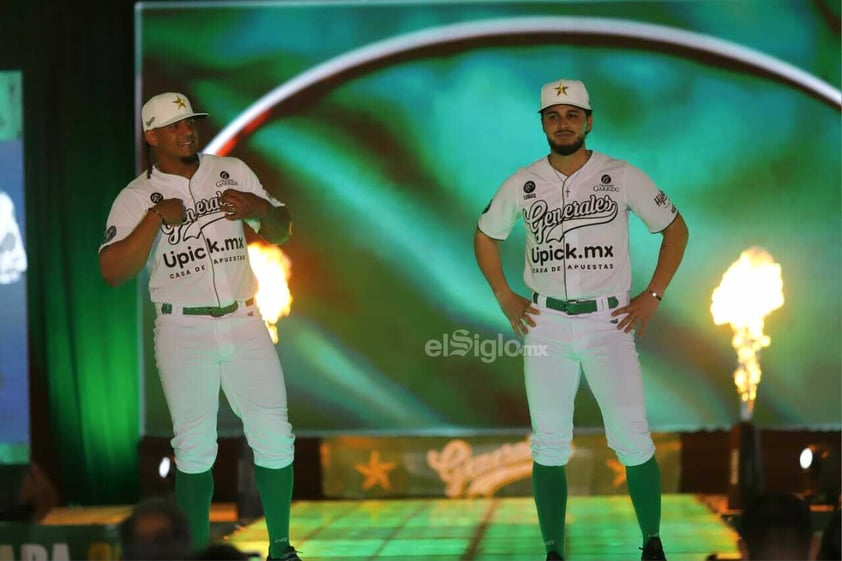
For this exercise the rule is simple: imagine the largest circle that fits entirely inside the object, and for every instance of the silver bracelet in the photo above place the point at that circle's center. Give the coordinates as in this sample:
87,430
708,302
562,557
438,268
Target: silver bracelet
655,294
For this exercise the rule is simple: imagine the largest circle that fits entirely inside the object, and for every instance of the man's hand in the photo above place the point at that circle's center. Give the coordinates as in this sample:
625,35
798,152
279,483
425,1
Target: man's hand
518,310
239,205
638,312
171,211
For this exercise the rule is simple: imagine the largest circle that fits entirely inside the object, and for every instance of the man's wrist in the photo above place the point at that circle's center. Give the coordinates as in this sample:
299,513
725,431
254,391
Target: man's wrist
156,211
654,294
502,293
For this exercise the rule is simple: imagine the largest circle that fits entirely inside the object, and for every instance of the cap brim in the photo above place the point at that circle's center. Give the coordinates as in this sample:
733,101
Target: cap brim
571,104
180,118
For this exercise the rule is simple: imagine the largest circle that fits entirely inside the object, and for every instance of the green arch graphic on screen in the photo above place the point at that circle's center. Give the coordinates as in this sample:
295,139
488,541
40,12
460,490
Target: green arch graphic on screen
387,170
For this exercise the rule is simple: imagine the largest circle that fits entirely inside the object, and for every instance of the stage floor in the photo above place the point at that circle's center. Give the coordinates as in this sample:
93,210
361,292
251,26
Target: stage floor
598,528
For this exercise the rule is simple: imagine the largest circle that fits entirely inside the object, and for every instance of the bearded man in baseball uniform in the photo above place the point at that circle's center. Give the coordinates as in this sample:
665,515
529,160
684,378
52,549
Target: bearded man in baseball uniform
188,211
575,205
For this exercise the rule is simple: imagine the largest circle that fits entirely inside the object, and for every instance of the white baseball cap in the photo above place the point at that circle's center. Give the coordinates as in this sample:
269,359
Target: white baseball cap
567,92
165,109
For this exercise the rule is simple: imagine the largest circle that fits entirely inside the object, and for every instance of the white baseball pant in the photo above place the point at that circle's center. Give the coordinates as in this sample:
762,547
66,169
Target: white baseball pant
198,355
592,344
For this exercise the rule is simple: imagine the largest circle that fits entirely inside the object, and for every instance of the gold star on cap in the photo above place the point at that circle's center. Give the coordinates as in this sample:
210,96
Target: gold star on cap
560,89
375,471
178,101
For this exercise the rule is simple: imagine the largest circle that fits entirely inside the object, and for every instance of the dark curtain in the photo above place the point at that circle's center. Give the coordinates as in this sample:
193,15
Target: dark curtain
79,139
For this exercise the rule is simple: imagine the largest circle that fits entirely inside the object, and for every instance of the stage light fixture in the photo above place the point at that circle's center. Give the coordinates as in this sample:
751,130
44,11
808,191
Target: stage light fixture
156,469
165,467
820,467
806,458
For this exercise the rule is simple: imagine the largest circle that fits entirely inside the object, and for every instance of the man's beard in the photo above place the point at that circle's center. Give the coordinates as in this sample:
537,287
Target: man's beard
566,149
190,159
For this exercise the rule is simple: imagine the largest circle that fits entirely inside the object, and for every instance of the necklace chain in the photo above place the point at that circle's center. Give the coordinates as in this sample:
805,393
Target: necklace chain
565,179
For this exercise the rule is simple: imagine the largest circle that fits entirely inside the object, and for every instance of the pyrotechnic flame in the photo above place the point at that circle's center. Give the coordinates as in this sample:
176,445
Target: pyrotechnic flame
273,269
751,288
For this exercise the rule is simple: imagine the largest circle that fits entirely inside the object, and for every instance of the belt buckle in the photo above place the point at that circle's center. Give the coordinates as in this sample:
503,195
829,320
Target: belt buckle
574,307
223,310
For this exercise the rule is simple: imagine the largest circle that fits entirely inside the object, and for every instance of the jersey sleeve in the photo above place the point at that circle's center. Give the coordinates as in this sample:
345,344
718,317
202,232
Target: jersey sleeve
126,213
251,184
502,212
647,201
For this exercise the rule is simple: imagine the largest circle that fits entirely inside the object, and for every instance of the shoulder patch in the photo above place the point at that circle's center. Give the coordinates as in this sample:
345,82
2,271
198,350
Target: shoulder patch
661,199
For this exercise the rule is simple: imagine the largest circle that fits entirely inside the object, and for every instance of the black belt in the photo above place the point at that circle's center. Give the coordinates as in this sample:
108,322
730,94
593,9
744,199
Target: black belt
575,307
215,311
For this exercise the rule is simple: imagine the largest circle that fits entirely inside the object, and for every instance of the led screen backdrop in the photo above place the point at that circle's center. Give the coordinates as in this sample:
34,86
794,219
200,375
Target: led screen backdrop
387,127
14,357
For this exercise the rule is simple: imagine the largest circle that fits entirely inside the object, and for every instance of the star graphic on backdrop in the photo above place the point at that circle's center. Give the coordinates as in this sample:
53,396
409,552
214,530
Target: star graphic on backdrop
178,101
619,472
560,89
375,471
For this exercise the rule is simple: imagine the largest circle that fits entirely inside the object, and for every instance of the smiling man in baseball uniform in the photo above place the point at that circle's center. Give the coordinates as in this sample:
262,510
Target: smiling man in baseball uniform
188,211
575,205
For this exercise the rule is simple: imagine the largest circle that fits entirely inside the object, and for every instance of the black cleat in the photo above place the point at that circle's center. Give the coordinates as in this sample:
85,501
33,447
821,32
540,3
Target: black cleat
289,555
554,556
653,549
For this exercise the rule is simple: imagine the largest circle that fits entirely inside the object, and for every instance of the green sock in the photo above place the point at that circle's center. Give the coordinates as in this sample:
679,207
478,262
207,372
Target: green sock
645,490
194,493
549,487
275,488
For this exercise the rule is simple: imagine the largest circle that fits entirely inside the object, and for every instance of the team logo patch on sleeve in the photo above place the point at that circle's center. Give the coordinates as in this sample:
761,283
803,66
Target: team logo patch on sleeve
110,232
528,190
661,199
156,198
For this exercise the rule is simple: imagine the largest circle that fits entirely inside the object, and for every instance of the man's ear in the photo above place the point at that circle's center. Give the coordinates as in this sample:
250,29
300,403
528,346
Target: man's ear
151,137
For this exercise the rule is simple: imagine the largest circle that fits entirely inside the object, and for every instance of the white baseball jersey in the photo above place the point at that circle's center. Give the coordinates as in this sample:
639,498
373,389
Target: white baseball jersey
577,232
204,261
